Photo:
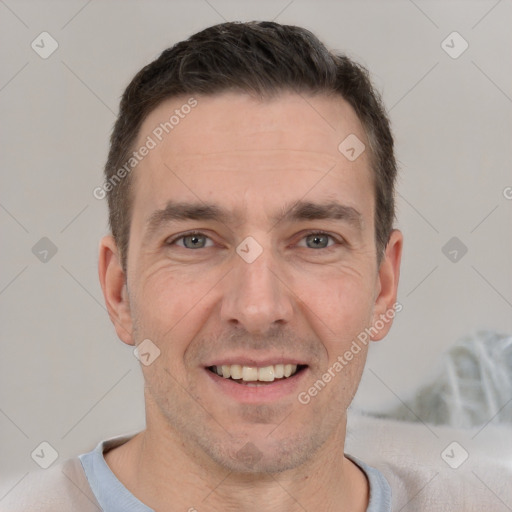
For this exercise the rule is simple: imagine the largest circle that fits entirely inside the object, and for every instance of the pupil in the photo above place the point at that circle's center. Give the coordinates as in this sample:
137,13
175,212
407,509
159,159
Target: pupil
317,239
195,240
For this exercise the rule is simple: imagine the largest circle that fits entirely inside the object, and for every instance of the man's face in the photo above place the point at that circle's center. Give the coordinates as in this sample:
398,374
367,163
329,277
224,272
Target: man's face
253,288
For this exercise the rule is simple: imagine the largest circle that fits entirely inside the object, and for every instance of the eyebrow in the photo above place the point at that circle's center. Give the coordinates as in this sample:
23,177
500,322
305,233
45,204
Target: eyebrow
292,212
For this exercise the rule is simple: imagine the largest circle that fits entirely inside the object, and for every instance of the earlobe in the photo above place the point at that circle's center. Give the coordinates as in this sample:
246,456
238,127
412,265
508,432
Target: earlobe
113,284
386,305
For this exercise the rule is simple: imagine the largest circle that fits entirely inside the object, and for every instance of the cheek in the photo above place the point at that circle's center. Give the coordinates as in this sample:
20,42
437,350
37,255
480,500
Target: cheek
342,302
168,294
339,309
167,307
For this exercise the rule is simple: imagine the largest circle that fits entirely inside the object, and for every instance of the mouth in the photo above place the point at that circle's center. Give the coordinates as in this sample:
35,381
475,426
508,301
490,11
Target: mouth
253,376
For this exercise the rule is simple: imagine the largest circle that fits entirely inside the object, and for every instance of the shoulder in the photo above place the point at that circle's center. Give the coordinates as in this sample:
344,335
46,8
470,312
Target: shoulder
61,488
436,467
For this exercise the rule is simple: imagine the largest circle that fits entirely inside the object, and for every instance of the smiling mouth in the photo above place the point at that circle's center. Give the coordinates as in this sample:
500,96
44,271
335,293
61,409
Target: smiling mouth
254,374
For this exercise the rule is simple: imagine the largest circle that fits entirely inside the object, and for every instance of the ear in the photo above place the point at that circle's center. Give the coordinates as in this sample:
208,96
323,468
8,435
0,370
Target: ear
113,284
386,305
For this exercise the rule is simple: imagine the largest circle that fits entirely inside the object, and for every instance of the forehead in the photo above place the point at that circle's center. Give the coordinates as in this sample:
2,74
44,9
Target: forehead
232,146
240,121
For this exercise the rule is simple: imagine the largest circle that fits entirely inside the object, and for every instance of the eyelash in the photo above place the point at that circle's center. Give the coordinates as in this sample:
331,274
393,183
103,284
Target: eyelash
309,233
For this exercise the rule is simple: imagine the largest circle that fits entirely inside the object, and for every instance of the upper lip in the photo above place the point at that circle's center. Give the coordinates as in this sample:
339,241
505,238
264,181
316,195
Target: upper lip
244,360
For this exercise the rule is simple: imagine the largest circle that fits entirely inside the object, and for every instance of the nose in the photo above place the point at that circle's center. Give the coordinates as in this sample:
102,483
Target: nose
256,296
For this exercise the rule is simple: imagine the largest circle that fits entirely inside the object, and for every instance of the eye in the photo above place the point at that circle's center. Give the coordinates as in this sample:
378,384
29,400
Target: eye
193,240
198,240
318,240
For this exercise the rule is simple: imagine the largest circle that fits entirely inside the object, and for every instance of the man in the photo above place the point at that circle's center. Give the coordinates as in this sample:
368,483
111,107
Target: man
250,185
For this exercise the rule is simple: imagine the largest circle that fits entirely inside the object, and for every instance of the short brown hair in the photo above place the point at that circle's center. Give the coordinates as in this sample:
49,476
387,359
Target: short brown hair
263,59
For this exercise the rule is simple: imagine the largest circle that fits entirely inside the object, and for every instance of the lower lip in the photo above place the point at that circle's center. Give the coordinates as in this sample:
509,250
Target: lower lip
271,392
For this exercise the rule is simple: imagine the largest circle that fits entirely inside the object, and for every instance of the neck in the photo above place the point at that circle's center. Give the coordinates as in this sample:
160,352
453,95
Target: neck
159,468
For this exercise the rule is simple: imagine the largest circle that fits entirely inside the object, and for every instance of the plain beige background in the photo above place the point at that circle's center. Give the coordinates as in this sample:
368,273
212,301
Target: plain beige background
65,377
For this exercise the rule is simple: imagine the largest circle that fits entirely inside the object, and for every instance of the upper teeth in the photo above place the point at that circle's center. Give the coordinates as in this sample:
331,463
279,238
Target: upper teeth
253,373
